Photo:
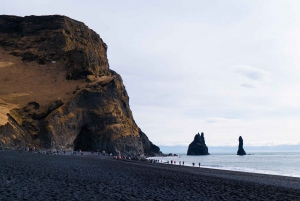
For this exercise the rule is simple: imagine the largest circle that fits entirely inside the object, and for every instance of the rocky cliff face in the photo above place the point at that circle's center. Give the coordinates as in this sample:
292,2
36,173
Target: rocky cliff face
93,115
241,150
198,146
50,38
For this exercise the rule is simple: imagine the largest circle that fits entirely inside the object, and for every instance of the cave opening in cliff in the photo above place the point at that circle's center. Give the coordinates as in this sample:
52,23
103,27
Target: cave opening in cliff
84,140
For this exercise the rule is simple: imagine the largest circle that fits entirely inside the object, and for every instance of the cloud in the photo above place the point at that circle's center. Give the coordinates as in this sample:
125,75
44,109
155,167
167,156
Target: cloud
252,73
247,85
271,143
218,120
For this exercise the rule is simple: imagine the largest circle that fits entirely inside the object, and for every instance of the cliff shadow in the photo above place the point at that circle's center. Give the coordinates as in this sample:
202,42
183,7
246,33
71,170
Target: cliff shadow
84,140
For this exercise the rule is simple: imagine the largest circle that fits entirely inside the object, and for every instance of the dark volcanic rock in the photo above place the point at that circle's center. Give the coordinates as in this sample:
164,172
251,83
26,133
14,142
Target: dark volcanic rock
51,38
241,150
96,116
198,146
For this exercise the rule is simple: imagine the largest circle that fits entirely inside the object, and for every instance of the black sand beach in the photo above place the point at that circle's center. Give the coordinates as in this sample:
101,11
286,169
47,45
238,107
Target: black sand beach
31,176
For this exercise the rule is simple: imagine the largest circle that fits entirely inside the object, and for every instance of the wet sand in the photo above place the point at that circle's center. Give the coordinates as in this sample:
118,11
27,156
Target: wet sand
31,176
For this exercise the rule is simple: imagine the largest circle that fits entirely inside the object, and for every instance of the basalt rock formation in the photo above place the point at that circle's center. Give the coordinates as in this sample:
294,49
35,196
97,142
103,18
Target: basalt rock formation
59,90
241,150
198,146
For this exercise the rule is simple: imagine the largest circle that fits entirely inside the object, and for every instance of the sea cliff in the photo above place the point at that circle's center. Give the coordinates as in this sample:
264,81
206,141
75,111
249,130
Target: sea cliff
59,92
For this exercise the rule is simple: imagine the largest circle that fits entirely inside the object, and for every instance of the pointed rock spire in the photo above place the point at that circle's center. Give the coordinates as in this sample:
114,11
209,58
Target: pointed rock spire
241,150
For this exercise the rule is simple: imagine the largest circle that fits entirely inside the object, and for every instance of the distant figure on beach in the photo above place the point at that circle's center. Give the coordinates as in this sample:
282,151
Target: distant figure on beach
182,162
193,164
199,164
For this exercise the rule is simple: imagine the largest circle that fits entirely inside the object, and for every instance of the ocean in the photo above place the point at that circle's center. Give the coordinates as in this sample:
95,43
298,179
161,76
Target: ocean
273,163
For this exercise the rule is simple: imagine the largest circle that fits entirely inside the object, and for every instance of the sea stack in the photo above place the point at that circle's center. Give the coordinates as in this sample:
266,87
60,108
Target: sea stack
198,146
241,150
58,91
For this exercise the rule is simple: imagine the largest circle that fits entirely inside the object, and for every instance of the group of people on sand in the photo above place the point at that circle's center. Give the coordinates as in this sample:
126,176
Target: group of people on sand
172,162
75,152
122,157
20,149
92,152
118,157
27,149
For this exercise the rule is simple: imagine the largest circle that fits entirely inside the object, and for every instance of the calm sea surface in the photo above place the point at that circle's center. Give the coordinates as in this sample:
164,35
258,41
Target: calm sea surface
283,163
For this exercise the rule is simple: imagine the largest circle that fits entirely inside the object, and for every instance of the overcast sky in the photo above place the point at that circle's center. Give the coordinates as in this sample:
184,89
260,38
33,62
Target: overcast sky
225,68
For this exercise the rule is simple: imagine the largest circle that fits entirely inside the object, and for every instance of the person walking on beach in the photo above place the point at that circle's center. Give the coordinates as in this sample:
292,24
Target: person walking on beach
199,164
193,164
182,162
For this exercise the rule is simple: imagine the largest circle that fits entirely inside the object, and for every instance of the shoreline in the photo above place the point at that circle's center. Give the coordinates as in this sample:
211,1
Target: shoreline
91,177
280,180
232,164
241,171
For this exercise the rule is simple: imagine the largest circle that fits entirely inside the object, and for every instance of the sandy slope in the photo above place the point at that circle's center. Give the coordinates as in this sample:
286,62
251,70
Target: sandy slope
24,82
